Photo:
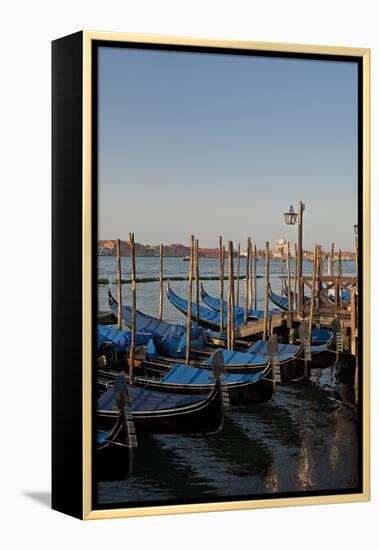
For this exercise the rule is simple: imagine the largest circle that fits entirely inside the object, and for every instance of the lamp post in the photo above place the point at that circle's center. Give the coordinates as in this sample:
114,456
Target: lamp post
291,218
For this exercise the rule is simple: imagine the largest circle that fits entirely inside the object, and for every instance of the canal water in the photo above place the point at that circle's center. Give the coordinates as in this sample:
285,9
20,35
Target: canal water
305,439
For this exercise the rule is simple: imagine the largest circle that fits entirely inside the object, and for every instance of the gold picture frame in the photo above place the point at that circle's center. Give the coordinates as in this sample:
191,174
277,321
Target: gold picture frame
84,508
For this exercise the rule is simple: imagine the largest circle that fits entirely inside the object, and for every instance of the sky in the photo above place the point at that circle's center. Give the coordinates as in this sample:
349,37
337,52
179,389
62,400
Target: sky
211,144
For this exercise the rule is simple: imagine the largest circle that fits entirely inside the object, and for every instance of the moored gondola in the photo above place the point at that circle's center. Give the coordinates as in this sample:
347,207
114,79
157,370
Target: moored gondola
215,304
116,439
161,412
169,337
180,378
208,318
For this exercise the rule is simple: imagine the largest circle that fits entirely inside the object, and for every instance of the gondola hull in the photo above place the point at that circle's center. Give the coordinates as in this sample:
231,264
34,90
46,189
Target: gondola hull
207,417
250,392
114,454
162,414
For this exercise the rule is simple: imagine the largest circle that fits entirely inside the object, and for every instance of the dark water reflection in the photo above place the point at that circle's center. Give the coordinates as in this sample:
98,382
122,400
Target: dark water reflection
304,439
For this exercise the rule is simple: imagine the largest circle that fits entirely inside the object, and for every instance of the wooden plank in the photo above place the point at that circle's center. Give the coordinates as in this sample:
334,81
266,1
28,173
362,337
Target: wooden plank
253,328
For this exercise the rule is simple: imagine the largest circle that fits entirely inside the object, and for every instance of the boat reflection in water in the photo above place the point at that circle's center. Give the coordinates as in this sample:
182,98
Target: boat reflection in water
305,439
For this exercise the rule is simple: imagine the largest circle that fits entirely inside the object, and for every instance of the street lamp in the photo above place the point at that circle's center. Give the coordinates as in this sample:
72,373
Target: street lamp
291,218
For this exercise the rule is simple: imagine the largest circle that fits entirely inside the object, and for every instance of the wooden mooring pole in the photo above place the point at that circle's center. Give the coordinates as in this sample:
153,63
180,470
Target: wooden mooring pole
289,284
251,277
119,295
221,271
246,301
255,277
295,285
189,303
161,282
238,274
197,281
230,315
311,308
300,254
266,328
133,324
282,270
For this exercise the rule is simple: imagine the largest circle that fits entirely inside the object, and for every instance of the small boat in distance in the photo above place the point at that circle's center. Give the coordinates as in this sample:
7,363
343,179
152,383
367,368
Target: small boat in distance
185,259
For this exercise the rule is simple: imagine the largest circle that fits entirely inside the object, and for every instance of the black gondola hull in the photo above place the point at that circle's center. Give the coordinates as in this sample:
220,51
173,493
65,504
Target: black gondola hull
113,458
205,417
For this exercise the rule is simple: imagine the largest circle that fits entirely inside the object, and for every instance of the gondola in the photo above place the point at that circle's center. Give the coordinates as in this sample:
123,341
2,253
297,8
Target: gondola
208,318
161,412
236,362
114,451
322,355
214,303
180,378
170,337
280,301
116,439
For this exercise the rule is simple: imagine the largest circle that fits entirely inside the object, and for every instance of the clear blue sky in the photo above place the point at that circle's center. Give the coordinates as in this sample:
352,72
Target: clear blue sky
222,145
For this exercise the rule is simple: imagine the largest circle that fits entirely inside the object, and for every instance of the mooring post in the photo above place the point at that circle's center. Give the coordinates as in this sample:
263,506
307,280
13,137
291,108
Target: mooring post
295,287
230,284
197,281
265,330
251,277
119,295
318,260
232,296
246,301
161,282
340,275
133,324
282,270
353,320
221,272
300,253
189,302
311,309
289,284
255,277
238,274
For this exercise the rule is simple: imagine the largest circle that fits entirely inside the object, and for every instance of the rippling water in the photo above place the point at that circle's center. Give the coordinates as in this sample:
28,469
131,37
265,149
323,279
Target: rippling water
305,439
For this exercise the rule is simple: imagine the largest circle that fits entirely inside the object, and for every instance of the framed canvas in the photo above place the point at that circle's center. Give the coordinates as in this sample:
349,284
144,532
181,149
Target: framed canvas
210,275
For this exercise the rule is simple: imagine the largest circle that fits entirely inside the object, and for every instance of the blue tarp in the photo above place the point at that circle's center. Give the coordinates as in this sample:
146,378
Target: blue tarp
120,338
260,346
206,315
214,303
284,349
102,437
144,399
240,358
184,374
170,338
321,335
